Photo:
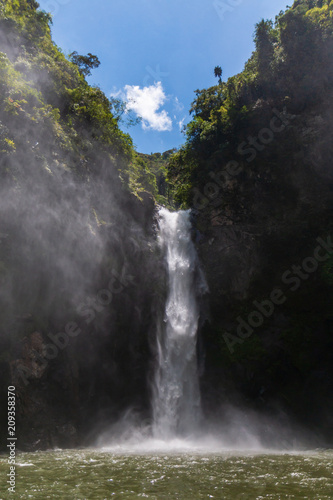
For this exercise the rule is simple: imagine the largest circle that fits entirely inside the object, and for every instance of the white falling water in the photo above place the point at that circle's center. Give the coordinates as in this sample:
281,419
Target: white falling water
176,403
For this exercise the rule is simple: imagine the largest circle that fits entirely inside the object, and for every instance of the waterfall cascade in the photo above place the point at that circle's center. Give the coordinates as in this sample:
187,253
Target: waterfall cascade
176,403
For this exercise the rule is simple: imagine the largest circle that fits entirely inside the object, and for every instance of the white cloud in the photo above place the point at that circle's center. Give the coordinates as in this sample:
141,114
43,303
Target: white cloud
146,102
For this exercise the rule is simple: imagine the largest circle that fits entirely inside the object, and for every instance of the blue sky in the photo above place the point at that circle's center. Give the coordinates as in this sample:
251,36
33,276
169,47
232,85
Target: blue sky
156,53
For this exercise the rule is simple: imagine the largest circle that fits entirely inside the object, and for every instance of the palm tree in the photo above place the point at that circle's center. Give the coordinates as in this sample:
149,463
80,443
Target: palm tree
218,73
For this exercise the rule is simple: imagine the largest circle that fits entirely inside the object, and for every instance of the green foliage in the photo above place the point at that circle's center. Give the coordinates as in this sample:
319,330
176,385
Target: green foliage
322,15
140,177
156,169
292,65
84,63
265,38
89,106
40,86
121,113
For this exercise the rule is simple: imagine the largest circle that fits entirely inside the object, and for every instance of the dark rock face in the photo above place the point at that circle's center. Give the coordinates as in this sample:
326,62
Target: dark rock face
230,257
79,357
47,397
284,361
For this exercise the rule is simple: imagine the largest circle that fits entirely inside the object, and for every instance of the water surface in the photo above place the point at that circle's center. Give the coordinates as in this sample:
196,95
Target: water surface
102,474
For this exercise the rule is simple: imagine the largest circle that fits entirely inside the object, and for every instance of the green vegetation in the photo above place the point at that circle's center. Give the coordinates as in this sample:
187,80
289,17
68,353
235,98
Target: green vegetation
85,63
290,69
157,164
40,86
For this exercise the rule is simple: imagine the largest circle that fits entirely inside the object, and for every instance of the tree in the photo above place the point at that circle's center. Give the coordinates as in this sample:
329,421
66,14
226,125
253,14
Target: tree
33,4
84,63
206,101
119,110
264,40
218,73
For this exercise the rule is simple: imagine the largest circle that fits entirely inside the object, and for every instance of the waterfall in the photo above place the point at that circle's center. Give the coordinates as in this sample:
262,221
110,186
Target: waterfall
176,400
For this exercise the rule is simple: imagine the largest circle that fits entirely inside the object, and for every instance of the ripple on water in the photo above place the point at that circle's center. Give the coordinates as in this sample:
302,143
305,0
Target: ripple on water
94,474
